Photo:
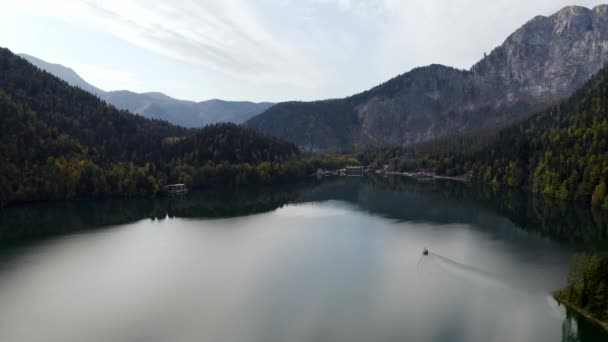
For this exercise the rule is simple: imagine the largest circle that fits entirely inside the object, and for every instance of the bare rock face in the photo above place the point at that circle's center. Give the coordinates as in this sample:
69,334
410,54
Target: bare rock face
549,57
546,59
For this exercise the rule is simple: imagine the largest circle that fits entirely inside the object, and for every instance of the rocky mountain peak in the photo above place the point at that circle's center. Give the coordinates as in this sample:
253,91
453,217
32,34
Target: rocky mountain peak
546,59
549,56
570,11
573,20
601,9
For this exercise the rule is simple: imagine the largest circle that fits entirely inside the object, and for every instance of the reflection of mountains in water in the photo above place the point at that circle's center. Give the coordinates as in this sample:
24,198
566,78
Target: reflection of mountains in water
47,219
397,198
449,202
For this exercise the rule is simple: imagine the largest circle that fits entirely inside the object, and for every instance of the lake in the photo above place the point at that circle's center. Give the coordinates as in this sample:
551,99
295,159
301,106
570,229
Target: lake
321,260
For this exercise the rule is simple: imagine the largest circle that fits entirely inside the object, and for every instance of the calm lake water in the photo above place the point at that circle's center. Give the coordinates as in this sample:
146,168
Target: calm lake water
332,260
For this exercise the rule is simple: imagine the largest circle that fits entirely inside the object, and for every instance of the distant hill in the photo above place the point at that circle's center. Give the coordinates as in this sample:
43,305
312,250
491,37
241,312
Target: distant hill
545,60
64,73
184,113
158,105
60,142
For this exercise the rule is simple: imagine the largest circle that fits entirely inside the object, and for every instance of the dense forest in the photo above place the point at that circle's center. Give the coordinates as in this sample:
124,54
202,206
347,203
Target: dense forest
561,152
60,142
587,286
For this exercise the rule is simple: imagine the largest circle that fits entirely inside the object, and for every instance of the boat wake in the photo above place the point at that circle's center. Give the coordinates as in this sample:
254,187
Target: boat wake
478,277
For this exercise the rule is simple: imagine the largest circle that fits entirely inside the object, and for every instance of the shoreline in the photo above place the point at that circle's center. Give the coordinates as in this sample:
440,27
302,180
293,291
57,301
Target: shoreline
462,179
581,312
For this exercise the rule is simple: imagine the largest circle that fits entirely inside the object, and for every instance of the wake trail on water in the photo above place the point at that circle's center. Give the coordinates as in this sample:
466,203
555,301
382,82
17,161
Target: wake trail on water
466,272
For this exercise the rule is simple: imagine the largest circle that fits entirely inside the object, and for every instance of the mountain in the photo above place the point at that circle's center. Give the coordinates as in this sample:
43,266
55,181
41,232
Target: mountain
185,113
560,152
544,60
60,142
64,73
158,105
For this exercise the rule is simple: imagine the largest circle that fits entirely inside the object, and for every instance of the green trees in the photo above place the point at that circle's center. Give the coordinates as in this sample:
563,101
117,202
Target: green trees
599,194
229,143
59,142
587,285
561,152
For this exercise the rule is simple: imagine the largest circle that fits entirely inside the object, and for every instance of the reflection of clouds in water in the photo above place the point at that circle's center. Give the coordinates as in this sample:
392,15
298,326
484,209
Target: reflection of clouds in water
309,272
313,210
554,309
441,290
517,306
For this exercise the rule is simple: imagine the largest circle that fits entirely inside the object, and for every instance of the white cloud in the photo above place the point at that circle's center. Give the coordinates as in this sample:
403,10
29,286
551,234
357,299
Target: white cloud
344,5
105,78
227,36
362,7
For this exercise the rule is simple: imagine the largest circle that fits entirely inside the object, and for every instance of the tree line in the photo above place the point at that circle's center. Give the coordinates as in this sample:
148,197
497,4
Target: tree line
60,142
561,152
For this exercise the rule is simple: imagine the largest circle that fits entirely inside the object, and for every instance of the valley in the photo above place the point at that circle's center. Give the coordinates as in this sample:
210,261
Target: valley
444,204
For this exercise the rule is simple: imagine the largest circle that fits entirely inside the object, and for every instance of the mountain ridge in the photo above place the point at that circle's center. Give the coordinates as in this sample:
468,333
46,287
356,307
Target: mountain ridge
65,73
543,61
158,105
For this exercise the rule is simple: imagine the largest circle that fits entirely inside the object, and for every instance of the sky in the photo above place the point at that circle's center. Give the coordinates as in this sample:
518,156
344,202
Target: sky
260,50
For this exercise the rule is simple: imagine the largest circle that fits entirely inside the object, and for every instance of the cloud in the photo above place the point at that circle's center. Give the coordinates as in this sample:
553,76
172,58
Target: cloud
362,7
281,49
344,5
106,77
227,36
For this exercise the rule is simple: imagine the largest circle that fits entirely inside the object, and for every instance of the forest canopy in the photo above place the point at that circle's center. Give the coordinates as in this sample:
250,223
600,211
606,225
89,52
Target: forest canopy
587,286
60,142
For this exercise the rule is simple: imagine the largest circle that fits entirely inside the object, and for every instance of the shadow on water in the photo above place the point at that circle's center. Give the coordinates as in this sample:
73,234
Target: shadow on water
577,329
397,198
24,223
449,201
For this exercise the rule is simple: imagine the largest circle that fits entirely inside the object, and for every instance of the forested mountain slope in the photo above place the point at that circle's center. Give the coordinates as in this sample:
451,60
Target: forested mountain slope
545,60
561,151
99,127
60,141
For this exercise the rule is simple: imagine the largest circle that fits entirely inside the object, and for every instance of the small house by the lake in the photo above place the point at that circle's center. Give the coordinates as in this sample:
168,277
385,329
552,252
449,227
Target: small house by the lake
175,189
354,170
